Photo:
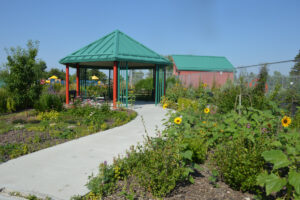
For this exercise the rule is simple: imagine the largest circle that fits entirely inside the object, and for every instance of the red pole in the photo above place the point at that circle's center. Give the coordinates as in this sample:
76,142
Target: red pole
67,84
115,84
77,79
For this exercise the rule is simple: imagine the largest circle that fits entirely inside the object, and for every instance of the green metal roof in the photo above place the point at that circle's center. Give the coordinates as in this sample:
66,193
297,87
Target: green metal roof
202,63
115,46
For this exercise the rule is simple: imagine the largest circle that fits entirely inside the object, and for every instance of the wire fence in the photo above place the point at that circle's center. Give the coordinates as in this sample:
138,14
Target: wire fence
285,81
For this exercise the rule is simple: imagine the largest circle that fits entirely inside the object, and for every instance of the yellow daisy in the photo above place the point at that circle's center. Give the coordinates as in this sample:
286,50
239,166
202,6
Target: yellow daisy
286,121
177,120
165,106
206,110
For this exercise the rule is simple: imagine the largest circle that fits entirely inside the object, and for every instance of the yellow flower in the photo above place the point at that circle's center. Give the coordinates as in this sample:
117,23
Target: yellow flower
177,120
204,122
286,121
206,110
215,124
165,106
204,84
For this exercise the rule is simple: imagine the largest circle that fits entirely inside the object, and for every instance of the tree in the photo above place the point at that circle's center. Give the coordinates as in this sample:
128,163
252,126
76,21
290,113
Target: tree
137,76
95,72
61,74
296,69
23,74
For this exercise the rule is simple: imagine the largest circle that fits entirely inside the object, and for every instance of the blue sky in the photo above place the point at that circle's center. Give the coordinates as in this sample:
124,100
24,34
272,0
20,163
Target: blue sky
246,32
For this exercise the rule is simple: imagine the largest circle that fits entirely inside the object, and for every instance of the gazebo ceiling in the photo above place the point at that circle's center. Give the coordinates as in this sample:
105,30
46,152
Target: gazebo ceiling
115,46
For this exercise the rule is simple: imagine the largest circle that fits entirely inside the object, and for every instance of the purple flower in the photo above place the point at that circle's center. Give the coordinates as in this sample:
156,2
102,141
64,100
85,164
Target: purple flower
105,163
248,125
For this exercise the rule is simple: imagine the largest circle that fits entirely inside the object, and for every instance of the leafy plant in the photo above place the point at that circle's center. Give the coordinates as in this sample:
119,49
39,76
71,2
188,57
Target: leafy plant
239,162
49,102
23,75
284,171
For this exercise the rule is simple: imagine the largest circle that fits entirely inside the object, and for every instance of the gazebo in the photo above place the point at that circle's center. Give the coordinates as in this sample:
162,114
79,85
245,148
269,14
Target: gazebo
118,52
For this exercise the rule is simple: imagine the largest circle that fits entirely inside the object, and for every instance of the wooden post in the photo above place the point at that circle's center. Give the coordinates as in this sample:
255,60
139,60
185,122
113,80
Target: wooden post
77,80
67,84
115,84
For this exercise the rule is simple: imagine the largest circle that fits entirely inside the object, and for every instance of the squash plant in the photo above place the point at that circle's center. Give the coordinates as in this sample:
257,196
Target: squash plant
285,171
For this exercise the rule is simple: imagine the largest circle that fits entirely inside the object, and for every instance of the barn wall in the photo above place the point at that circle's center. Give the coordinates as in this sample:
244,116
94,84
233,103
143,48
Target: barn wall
193,78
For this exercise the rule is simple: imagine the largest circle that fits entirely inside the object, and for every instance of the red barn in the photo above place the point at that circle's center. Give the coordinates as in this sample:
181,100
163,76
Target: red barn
208,70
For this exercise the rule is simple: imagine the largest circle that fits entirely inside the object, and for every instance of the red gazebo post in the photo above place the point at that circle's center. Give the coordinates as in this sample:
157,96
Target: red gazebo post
67,84
115,84
77,80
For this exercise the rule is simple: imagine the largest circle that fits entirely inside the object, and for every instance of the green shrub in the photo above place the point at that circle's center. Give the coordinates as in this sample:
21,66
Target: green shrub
197,145
49,102
239,162
51,116
296,119
104,126
282,177
184,103
159,167
104,183
3,100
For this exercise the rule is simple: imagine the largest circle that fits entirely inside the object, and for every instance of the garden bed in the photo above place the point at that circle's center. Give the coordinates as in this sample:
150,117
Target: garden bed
28,131
203,188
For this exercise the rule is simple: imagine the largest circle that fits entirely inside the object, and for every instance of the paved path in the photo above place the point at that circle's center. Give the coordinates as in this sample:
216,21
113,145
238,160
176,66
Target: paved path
62,171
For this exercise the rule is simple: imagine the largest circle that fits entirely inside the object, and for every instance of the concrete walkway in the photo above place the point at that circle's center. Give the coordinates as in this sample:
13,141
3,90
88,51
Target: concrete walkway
62,171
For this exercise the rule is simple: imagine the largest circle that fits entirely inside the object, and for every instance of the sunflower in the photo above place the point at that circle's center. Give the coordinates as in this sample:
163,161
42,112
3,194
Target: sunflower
177,120
286,121
206,110
165,106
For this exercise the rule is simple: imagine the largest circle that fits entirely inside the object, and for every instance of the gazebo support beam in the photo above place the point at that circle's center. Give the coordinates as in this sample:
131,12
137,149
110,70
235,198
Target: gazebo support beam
67,84
154,82
77,80
115,84
165,80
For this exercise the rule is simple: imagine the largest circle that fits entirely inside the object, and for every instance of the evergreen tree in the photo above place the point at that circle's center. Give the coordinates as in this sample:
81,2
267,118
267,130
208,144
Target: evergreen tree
296,69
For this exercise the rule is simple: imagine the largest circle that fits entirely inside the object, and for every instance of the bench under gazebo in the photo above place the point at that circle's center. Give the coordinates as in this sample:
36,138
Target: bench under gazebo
119,53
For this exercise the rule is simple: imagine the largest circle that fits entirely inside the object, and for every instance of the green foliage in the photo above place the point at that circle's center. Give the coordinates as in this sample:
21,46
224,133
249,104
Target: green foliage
184,103
37,130
131,98
239,162
285,171
95,72
144,84
49,102
24,74
3,100
60,74
96,91
296,119
296,69
159,166
51,116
